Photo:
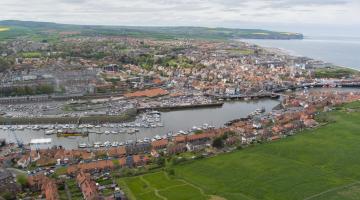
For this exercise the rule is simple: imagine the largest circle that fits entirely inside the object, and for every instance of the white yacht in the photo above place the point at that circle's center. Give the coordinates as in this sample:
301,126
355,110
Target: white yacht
50,132
83,145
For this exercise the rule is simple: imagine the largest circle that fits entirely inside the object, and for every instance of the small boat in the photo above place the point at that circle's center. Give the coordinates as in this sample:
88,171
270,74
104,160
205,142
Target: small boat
107,132
107,144
205,126
131,131
146,140
154,112
50,132
122,131
129,142
68,133
83,145
115,144
258,111
97,144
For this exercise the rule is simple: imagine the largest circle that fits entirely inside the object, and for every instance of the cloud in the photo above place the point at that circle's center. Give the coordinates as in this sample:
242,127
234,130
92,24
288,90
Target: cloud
219,13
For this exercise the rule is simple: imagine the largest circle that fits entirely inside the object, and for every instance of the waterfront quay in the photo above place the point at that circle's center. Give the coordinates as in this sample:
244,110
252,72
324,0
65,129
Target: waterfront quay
167,123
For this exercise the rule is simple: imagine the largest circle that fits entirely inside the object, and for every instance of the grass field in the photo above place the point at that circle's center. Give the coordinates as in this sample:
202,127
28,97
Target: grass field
3,29
31,54
319,164
336,72
158,186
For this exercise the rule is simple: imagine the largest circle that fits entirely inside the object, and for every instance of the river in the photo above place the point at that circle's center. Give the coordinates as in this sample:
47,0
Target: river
342,51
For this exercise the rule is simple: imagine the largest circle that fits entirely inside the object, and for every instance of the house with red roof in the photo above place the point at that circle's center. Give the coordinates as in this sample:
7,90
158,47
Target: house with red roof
87,186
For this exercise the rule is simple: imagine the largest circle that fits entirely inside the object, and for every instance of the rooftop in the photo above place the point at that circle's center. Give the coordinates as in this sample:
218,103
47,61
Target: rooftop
41,141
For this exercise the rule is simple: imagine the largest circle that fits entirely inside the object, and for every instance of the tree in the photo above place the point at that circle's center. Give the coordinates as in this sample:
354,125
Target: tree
218,143
116,163
4,64
170,171
45,89
8,196
22,180
160,161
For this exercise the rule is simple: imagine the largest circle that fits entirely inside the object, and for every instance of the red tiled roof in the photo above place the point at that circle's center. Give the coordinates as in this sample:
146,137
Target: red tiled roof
180,138
199,136
122,162
101,165
117,151
88,186
160,143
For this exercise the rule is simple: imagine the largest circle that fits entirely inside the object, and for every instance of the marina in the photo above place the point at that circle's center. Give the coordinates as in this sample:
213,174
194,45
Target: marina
148,126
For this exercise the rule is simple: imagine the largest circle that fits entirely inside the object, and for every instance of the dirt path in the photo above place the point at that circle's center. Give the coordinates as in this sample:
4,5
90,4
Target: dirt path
192,185
156,191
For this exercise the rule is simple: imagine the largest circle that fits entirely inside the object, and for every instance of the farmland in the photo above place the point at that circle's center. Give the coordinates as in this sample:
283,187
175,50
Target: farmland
3,29
316,164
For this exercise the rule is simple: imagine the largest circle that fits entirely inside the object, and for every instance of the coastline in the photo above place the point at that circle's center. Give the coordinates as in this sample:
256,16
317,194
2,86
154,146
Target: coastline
284,51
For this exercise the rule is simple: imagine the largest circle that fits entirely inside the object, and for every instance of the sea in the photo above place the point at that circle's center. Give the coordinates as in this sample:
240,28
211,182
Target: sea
339,50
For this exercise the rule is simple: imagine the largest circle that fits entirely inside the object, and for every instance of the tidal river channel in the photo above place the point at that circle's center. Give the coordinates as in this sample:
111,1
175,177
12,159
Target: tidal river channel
173,121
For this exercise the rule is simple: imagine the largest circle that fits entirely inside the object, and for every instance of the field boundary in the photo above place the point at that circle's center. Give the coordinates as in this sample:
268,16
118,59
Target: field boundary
156,191
332,190
206,195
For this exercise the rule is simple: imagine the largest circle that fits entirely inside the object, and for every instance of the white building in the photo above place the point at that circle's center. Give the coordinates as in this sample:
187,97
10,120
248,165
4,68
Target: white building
42,143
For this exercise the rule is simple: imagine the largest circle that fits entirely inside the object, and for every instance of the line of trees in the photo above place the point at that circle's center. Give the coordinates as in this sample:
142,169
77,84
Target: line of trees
27,90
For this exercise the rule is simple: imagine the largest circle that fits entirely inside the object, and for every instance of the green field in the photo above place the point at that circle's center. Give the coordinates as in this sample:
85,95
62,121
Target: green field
318,164
335,72
3,29
38,30
31,54
160,186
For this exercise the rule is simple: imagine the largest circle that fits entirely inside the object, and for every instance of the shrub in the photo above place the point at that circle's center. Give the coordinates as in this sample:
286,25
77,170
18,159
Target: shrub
218,143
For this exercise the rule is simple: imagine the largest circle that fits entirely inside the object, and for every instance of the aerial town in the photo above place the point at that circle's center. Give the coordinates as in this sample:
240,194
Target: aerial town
81,90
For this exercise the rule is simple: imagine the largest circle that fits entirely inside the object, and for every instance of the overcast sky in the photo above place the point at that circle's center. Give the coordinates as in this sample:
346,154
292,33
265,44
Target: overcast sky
292,15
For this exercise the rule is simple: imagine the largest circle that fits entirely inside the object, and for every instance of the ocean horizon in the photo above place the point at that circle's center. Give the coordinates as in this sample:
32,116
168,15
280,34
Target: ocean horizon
338,50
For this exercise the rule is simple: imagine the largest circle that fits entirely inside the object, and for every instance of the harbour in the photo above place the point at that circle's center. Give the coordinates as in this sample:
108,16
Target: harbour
146,126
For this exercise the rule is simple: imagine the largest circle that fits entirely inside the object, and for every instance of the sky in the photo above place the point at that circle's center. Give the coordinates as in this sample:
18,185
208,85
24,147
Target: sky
339,17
